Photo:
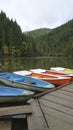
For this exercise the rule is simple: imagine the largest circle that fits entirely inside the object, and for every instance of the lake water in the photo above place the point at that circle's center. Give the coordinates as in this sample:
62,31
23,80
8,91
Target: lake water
22,63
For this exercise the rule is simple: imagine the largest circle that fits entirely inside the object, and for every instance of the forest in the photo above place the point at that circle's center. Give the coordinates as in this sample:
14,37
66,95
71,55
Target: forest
40,42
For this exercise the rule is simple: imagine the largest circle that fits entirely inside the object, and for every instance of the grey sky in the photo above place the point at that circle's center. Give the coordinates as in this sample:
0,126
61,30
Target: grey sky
33,14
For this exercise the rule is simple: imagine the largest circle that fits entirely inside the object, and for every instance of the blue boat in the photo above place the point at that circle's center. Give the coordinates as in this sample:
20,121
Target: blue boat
24,82
10,94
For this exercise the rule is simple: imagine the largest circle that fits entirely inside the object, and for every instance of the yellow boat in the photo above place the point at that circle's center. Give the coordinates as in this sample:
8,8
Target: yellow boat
61,69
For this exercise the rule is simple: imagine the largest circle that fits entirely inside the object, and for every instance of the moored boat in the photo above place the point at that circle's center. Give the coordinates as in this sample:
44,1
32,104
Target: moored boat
9,94
62,69
56,80
52,73
25,82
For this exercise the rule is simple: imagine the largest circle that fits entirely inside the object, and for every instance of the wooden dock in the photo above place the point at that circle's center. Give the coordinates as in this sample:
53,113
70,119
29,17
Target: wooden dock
52,111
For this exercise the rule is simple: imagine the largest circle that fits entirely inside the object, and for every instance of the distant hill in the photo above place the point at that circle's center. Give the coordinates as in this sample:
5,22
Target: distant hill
53,42
38,32
60,40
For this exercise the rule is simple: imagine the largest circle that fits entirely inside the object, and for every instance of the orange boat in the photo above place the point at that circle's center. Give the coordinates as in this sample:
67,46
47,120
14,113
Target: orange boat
56,80
52,79
52,73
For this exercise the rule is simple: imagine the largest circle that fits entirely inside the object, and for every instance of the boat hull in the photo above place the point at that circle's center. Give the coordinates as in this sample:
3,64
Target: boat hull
52,79
16,82
63,71
9,94
10,99
58,82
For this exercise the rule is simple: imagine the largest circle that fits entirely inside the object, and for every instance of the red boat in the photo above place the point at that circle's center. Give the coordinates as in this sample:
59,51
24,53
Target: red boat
52,73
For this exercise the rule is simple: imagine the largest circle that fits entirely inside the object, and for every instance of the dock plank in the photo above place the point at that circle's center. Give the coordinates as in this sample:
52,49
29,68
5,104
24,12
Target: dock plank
65,92
15,110
70,85
68,89
61,95
57,107
36,121
58,101
56,123
57,114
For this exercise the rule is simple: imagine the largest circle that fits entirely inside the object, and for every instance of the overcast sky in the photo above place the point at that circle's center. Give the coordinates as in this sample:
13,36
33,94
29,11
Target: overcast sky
33,14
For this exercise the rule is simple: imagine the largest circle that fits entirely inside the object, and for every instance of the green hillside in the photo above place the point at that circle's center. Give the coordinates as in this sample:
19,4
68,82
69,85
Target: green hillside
38,32
60,40
56,42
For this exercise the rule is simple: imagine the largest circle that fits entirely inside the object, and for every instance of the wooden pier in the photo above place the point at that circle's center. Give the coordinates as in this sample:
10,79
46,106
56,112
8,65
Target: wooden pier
51,110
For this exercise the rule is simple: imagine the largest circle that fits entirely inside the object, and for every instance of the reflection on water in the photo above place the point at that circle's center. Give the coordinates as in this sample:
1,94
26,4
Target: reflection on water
13,64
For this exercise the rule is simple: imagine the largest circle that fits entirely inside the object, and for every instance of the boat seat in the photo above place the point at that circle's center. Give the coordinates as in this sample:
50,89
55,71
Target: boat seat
29,82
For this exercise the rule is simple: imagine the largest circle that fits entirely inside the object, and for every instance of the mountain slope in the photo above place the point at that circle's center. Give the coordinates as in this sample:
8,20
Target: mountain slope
38,32
55,42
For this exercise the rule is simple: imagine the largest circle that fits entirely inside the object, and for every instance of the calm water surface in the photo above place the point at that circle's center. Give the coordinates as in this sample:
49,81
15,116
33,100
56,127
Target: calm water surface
14,64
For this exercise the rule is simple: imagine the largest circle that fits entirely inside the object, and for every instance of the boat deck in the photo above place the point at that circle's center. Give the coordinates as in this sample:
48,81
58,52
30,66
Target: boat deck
52,111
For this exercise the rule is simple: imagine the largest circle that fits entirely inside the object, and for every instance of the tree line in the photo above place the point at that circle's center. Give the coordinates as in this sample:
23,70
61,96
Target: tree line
41,42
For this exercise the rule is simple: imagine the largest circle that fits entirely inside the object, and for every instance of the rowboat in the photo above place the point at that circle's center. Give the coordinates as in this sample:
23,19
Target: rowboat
62,69
25,82
52,73
56,80
9,94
